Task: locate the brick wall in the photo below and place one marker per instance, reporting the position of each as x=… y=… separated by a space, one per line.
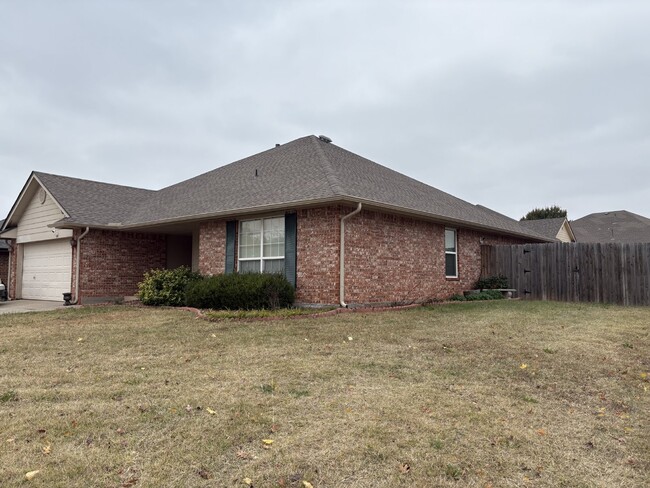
x=212 y=247
x=113 y=263
x=4 y=266
x=388 y=258
x=13 y=258
x=317 y=252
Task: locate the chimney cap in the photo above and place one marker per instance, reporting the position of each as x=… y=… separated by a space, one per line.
x=325 y=139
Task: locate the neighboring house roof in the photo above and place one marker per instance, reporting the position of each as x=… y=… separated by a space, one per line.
x=307 y=171
x=551 y=228
x=616 y=226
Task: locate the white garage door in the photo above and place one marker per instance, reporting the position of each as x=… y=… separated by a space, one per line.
x=47 y=269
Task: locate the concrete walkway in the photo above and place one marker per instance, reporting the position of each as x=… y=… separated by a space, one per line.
x=21 y=306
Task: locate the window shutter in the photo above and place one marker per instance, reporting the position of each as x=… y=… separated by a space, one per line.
x=290 y=239
x=231 y=228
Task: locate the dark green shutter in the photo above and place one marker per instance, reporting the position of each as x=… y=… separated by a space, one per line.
x=231 y=228
x=290 y=239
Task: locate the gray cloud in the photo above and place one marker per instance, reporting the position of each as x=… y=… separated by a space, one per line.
x=508 y=104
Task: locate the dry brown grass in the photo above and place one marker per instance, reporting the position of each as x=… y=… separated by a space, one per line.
x=423 y=397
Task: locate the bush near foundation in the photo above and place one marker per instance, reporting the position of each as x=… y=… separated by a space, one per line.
x=492 y=283
x=248 y=291
x=166 y=286
x=484 y=295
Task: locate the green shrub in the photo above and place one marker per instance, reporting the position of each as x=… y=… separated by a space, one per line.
x=166 y=286
x=457 y=298
x=249 y=291
x=492 y=283
x=485 y=295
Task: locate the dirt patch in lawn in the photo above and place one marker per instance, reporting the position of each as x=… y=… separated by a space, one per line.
x=481 y=394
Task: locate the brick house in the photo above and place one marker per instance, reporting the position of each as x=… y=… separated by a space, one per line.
x=343 y=229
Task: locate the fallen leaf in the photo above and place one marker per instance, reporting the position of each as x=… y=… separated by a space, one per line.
x=248 y=481
x=540 y=432
x=268 y=442
x=80 y=339
x=404 y=468
x=47 y=449
x=210 y=411
x=349 y=339
x=30 y=475
x=241 y=454
x=307 y=484
x=523 y=366
x=130 y=482
x=214 y=335
x=205 y=474
x=188 y=408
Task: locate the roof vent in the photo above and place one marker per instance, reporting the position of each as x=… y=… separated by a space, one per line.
x=325 y=139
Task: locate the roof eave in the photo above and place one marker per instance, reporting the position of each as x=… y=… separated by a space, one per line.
x=230 y=213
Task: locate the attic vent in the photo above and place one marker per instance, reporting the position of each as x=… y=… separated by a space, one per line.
x=325 y=139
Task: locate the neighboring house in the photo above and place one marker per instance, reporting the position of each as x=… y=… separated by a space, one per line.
x=280 y=210
x=617 y=226
x=557 y=229
x=4 y=259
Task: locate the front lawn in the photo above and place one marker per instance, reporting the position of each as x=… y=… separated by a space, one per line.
x=506 y=393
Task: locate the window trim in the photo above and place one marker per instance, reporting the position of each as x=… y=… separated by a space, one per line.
x=454 y=252
x=261 y=258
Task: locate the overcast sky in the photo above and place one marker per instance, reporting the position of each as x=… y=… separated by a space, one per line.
x=512 y=105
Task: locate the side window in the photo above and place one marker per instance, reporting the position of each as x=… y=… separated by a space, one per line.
x=261 y=246
x=451 y=254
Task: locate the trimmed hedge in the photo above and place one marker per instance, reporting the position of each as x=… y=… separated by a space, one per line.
x=248 y=291
x=166 y=286
x=492 y=283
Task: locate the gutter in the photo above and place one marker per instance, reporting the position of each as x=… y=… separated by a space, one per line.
x=342 y=256
x=76 y=282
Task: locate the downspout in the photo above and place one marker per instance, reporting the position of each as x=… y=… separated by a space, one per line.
x=342 y=256
x=76 y=278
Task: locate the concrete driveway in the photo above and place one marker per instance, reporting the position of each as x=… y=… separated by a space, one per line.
x=21 y=306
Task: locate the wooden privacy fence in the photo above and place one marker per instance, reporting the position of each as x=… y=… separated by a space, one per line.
x=577 y=272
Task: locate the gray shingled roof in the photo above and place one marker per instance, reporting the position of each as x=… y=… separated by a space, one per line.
x=91 y=202
x=616 y=226
x=546 y=227
x=305 y=171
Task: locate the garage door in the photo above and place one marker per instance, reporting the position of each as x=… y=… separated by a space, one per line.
x=47 y=269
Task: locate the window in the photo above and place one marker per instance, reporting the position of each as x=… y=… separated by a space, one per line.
x=451 y=254
x=261 y=246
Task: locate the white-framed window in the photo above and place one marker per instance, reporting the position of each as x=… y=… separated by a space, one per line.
x=261 y=245
x=451 y=254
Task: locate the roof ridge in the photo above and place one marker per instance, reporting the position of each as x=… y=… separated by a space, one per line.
x=332 y=179
x=37 y=173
